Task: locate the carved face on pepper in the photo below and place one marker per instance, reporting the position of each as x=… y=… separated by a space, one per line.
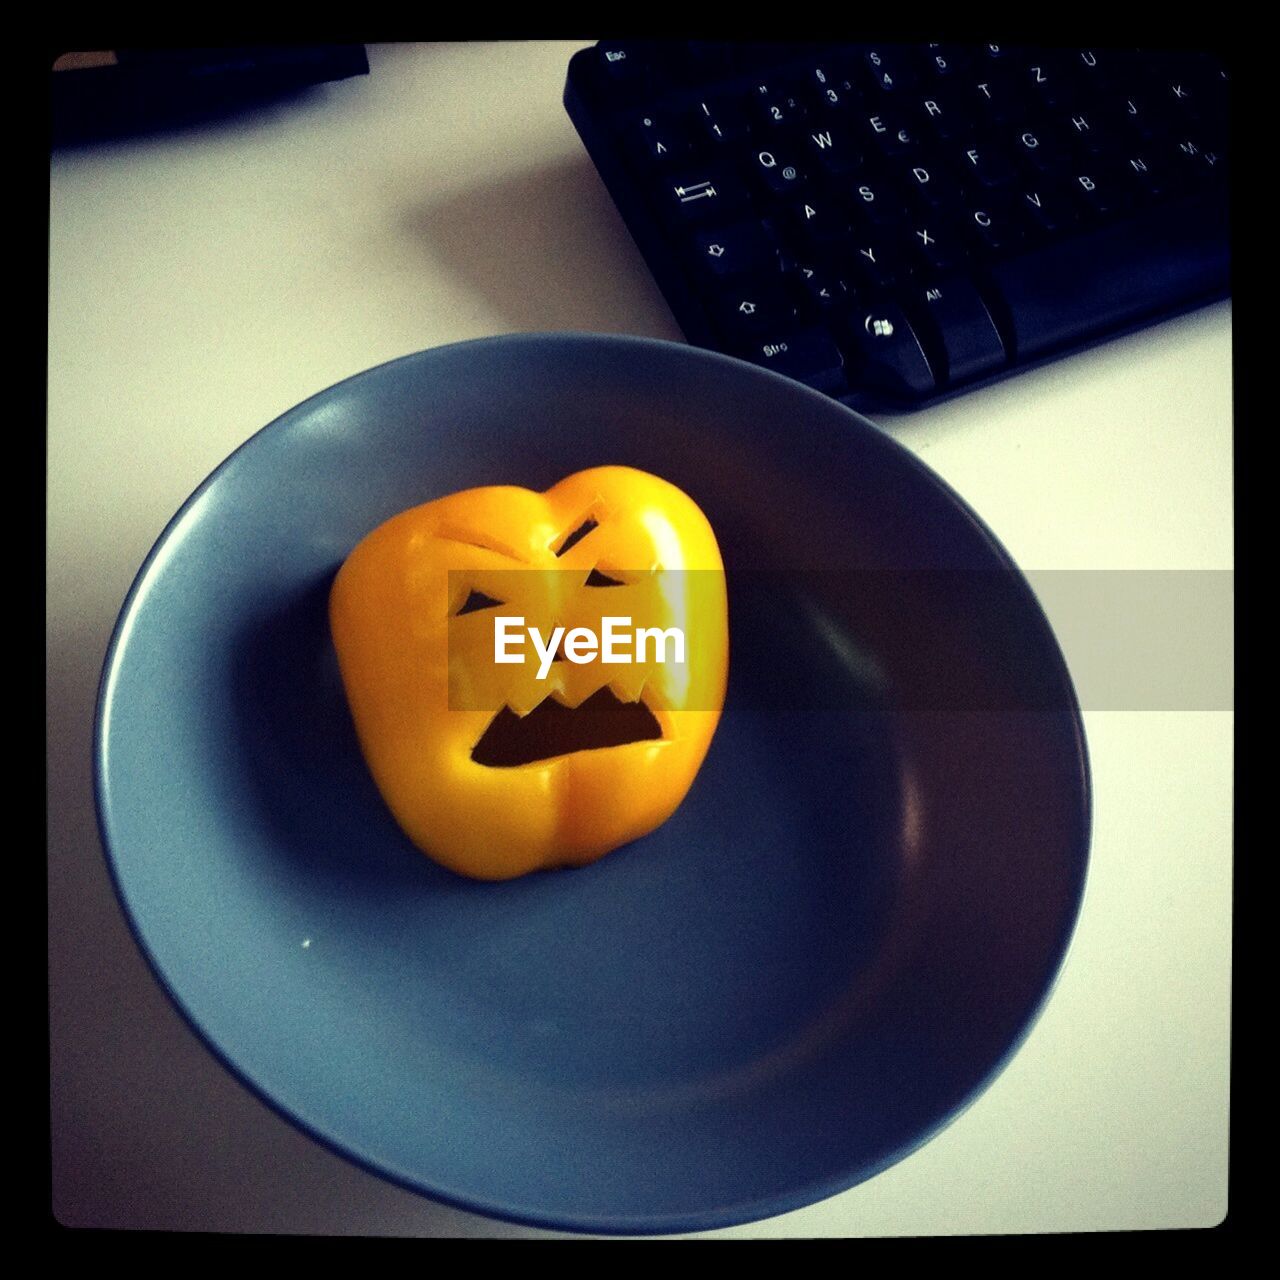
x=535 y=678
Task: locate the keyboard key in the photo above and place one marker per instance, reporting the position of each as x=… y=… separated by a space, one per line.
x=943 y=63
x=621 y=69
x=699 y=196
x=1145 y=175
x=1097 y=189
x=824 y=291
x=1039 y=150
x=1090 y=66
x=1179 y=95
x=818 y=220
x=1191 y=156
x=985 y=163
x=776 y=110
x=1041 y=206
x=831 y=149
x=886 y=353
x=717 y=122
x=992 y=96
x=1215 y=91
x=888 y=69
x=887 y=133
x=1078 y=126
x=874 y=201
x=1041 y=78
x=655 y=141
x=990 y=225
x=809 y=355
x=932 y=243
x=735 y=250
x=872 y=123
x=752 y=308
x=956 y=322
x=940 y=115
x=872 y=259
x=1215 y=161
x=924 y=183
x=827 y=91
x=1133 y=111
x=1072 y=288
x=775 y=171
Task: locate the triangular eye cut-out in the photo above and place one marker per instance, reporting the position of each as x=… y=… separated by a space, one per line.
x=597 y=579
x=477 y=600
x=577 y=535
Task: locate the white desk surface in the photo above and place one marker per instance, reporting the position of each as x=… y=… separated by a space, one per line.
x=202 y=283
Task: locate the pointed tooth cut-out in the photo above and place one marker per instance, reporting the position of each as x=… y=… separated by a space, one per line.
x=524 y=701
x=629 y=684
x=573 y=693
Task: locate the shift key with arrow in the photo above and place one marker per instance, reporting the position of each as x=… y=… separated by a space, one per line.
x=752 y=308
x=725 y=252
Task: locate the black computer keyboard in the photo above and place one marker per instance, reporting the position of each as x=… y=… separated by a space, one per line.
x=900 y=222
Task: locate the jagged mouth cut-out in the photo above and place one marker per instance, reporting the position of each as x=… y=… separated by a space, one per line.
x=551 y=729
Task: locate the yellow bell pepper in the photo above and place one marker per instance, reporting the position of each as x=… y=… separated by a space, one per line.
x=535 y=678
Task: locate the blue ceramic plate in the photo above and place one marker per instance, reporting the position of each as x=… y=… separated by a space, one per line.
x=820 y=960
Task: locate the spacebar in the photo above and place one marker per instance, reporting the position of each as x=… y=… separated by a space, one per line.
x=1072 y=290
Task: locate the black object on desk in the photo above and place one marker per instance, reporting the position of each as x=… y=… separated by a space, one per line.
x=899 y=222
x=125 y=91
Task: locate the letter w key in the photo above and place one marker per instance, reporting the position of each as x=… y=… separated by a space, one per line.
x=831 y=150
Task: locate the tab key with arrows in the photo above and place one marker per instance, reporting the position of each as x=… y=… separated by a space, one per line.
x=699 y=198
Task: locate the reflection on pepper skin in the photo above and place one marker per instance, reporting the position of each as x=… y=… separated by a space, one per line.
x=490 y=770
